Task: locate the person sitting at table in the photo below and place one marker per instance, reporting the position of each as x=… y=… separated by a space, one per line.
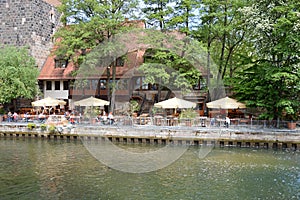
x=15 y=117
x=9 y=116
x=212 y=121
x=103 y=118
x=110 y=118
x=227 y=122
x=26 y=116
x=72 y=119
x=41 y=117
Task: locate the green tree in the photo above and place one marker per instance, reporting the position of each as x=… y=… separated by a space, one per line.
x=18 y=74
x=272 y=78
x=223 y=33
x=164 y=66
x=158 y=13
x=90 y=22
x=172 y=62
x=185 y=16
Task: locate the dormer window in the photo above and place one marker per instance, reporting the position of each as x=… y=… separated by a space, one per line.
x=61 y=63
x=120 y=62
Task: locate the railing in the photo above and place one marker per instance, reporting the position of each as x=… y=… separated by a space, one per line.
x=203 y=122
x=200 y=122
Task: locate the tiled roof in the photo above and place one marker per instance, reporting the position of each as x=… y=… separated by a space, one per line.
x=135 y=59
x=49 y=72
x=55 y=3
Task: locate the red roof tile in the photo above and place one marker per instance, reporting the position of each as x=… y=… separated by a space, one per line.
x=49 y=72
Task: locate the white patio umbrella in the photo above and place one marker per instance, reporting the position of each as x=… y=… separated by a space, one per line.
x=175 y=103
x=225 y=103
x=48 y=102
x=91 y=101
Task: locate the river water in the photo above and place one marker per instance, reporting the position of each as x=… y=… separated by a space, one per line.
x=59 y=169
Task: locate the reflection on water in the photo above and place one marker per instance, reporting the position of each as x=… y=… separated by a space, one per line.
x=134 y=160
x=48 y=169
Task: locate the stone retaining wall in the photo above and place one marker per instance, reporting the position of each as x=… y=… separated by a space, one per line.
x=164 y=136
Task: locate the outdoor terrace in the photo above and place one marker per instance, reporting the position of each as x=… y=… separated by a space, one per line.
x=158 y=121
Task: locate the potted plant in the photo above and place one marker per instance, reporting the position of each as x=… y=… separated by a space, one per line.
x=291 y=116
x=52 y=129
x=134 y=107
x=31 y=126
x=43 y=127
x=291 y=124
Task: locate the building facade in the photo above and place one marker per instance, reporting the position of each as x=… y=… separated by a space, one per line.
x=29 y=23
x=33 y=23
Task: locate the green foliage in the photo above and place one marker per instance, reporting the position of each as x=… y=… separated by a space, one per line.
x=271 y=79
x=255 y=45
x=184 y=16
x=188 y=114
x=91 y=23
x=157 y=12
x=43 y=127
x=167 y=68
x=134 y=106
x=52 y=129
x=31 y=126
x=18 y=74
x=223 y=32
x=156 y=110
x=91 y=112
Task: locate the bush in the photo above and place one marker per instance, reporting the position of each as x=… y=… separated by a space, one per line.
x=52 y=129
x=134 y=106
x=31 y=126
x=43 y=127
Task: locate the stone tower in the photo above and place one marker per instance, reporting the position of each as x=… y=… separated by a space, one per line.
x=29 y=23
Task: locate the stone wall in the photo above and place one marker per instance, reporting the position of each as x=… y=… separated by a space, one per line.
x=29 y=23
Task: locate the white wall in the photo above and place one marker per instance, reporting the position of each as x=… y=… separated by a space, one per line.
x=58 y=94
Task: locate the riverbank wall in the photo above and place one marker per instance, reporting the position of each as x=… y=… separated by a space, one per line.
x=221 y=136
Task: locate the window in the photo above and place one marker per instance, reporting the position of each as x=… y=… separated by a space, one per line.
x=87 y=84
x=94 y=84
x=61 y=63
x=140 y=84
x=122 y=84
x=66 y=85
x=144 y=84
x=200 y=85
x=48 y=85
x=57 y=85
x=120 y=62
x=102 y=84
x=200 y=106
x=137 y=84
